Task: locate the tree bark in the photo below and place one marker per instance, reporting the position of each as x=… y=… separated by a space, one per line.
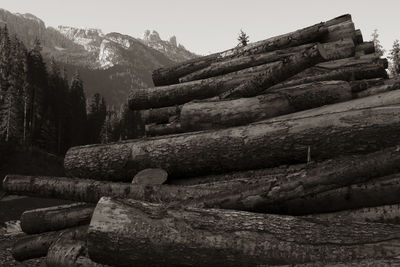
x=380 y=214
x=270 y=143
x=340 y=31
x=163 y=129
x=242 y=111
x=376 y=192
x=171 y=75
x=362 y=85
x=69 y=253
x=56 y=218
x=154 y=235
x=36 y=246
x=276 y=74
x=392 y=84
x=160 y=115
x=335 y=50
x=267 y=74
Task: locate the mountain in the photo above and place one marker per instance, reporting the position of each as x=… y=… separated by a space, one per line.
x=110 y=64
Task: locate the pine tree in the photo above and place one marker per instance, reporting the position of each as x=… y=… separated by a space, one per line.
x=77 y=107
x=243 y=38
x=394 y=56
x=97 y=112
x=378 y=47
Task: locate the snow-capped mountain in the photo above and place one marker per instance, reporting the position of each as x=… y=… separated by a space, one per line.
x=110 y=64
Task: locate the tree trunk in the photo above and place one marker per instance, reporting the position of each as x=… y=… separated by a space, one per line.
x=351 y=73
x=380 y=214
x=159 y=115
x=171 y=75
x=278 y=73
x=362 y=85
x=265 y=144
x=359 y=39
x=163 y=129
x=69 y=253
x=242 y=111
x=132 y=233
x=36 y=246
x=340 y=31
x=267 y=74
x=335 y=50
x=150 y=177
x=376 y=192
x=389 y=85
x=365 y=49
x=56 y=218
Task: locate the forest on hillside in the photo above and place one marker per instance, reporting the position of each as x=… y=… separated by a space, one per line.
x=40 y=106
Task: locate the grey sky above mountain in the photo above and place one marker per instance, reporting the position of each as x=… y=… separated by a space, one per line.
x=212 y=25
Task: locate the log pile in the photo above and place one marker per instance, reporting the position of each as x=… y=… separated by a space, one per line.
x=282 y=152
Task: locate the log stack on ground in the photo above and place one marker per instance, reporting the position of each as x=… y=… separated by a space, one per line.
x=284 y=151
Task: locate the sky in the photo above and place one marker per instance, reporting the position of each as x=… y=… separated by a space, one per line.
x=206 y=26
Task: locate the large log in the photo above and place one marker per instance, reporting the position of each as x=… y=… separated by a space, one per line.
x=154 y=235
x=270 y=73
x=171 y=75
x=56 y=218
x=222 y=114
x=276 y=74
x=69 y=253
x=36 y=246
x=365 y=49
x=254 y=190
x=379 y=214
x=376 y=192
x=265 y=144
x=335 y=50
x=159 y=115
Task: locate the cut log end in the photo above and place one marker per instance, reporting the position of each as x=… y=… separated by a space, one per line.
x=150 y=177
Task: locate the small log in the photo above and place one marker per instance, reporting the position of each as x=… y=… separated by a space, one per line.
x=359 y=39
x=365 y=49
x=222 y=114
x=380 y=214
x=36 y=246
x=150 y=177
x=159 y=115
x=340 y=31
x=163 y=129
x=335 y=50
x=56 y=218
x=69 y=253
x=155 y=235
x=361 y=85
x=171 y=75
x=388 y=86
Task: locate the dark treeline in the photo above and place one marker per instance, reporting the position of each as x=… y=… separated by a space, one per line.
x=40 y=107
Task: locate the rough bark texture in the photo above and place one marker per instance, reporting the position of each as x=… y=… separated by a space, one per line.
x=69 y=253
x=171 y=75
x=150 y=177
x=392 y=84
x=153 y=235
x=380 y=214
x=283 y=140
x=335 y=50
x=376 y=192
x=278 y=73
x=361 y=85
x=242 y=111
x=164 y=129
x=56 y=218
x=365 y=49
x=159 y=115
x=267 y=74
x=36 y=246
x=340 y=31
x=350 y=73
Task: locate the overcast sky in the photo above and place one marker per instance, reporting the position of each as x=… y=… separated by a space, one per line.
x=206 y=26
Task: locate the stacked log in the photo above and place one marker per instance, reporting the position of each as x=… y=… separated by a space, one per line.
x=242 y=142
